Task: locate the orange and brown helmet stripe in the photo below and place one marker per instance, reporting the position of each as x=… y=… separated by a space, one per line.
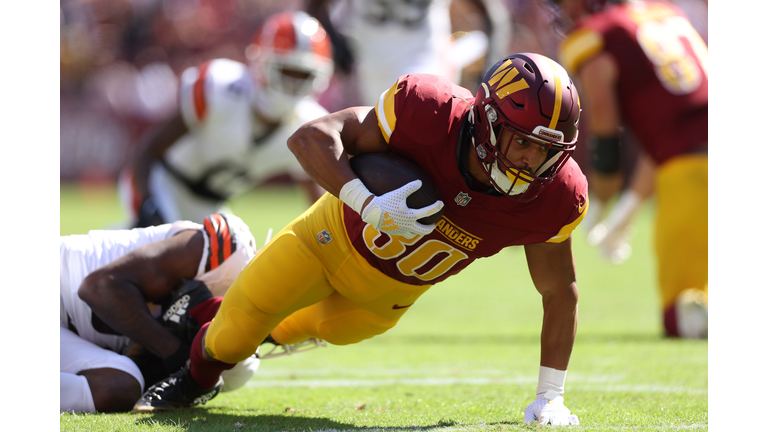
x=286 y=32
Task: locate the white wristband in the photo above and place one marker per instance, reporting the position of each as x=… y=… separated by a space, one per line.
x=354 y=193
x=551 y=382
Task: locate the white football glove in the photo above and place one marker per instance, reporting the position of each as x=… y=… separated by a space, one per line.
x=390 y=214
x=612 y=241
x=547 y=411
x=613 y=235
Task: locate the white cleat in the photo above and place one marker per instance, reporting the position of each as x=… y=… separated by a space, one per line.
x=692 y=314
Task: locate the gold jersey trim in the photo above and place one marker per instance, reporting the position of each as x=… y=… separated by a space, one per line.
x=566 y=231
x=578 y=47
x=385 y=111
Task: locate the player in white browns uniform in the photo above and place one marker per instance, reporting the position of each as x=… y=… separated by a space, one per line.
x=107 y=279
x=231 y=129
x=385 y=39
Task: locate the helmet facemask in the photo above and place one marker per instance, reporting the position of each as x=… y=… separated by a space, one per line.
x=520 y=183
x=524 y=100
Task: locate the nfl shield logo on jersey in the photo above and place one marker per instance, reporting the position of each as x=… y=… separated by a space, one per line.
x=323 y=237
x=462 y=199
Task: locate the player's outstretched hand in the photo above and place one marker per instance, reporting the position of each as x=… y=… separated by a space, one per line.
x=547 y=411
x=390 y=214
x=613 y=241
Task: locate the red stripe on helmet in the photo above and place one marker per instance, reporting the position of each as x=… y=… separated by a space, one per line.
x=199 y=91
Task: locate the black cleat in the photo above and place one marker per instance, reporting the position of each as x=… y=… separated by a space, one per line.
x=175 y=392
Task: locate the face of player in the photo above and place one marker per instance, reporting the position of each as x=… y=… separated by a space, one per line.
x=525 y=154
x=294 y=81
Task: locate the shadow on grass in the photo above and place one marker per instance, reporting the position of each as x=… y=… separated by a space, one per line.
x=200 y=419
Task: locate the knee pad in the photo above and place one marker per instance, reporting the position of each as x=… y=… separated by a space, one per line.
x=340 y=329
x=353 y=327
x=235 y=336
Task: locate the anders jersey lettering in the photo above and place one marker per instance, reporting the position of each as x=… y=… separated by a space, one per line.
x=421 y=119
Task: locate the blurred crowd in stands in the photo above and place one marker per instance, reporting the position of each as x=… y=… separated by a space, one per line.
x=121 y=59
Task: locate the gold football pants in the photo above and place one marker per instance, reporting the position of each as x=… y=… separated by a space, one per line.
x=308 y=281
x=681 y=226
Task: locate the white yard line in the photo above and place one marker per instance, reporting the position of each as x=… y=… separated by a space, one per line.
x=491 y=427
x=362 y=382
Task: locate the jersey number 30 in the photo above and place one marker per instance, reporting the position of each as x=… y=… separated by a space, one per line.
x=429 y=261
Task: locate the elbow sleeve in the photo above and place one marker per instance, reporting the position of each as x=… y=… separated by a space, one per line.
x=605 y=154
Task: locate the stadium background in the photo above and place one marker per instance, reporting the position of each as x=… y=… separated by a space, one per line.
x=121 y=59
x=120 y=62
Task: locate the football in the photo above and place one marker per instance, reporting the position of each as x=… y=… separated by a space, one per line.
x=385 y=172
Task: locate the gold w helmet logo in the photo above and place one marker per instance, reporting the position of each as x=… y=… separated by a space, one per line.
x=503 y=80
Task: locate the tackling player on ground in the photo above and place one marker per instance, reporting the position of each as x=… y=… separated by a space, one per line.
x=109 y=281
x=133 y=300
x=642 y=65
x=344 y=270
x=233 y=121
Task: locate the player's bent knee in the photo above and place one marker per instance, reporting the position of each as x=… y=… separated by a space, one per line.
x=353 y=327
x=113 y=390
x=236 y=337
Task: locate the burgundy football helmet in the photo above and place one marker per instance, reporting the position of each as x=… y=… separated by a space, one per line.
x=532 y=97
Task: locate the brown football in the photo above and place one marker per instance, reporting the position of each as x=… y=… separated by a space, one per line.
x=385 y=172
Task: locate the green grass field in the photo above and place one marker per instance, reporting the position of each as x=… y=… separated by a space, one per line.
x=464 y=358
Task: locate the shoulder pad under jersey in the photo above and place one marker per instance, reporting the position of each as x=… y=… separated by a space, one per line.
x=569 y=200
x=578 y=47
x=212 y=88
x=422 y=103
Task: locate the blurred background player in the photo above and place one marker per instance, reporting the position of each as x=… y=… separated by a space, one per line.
x=113 y=283
x=229 y=133
x=378 y=41
x=642 y=66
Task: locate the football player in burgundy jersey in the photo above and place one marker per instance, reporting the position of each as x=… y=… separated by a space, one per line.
x=346 y=269
x=643 y=66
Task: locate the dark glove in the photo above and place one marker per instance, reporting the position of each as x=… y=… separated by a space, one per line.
x=149 y=214
x=176 y=319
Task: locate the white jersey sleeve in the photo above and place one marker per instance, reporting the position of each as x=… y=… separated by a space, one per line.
x=207 y=91
x=215 y=103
